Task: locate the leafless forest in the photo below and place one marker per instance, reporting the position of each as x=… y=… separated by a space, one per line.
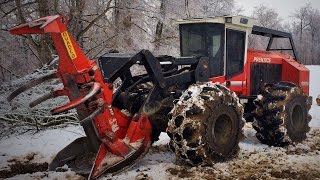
x=129 y=25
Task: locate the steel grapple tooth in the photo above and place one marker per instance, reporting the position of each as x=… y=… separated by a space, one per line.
x=45 y=97
x=95 y=89
x=30 y=85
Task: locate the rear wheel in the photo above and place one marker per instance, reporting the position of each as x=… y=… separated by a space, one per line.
x=281 y=116
x=206 y=124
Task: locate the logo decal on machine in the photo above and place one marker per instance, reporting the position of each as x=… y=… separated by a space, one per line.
x=68 y=44
x=114 y=125
x=262 y=60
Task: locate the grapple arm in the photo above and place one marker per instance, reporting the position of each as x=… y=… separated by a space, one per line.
x=117 y=139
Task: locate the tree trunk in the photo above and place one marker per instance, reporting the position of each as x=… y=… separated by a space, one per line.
x=159 y=27
x=186 y=4
x=312 y=46
x=44 y=52
x=76 y=23
x=123 y=25
x=2 y=73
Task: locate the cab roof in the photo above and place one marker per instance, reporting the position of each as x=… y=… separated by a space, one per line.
x=235 y=20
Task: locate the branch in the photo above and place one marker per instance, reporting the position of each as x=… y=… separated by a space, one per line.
x=141 y=29
x=88 y=15
x=19 y=13
x=103 y=13
x=39 y=124
x=5 y=2
x=23 y=20
x=94 y=20
x=164 y=38
x=306 y=25
x=95 y=24
x=41 y=121
x=37 y=57
x=32 y=42
x=135 y=8
x=14 y=9
x=95 y=56
x=13 y=74
x=104 y=41
x=186 y=4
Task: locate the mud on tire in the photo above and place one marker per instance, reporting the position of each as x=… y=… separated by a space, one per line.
x=281 y=116
x=206 y=124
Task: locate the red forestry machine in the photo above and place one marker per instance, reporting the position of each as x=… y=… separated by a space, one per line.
x=201 y=99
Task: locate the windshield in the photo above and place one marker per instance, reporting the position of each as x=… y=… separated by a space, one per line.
x=205 y=39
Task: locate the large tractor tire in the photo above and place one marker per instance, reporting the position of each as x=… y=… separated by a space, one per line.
x=282 y=114
x=206 y=124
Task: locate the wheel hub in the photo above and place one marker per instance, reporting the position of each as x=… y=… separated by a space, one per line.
x=297 y=117
x=222 y=129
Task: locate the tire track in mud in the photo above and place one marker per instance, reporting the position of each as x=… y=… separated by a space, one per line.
x=255 y=161
x=298 y=161
x=30 y=167
x=22 y=165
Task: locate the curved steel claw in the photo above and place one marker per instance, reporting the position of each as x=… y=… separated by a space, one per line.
x=96 y=88
x=31 y=84
x=45 y=97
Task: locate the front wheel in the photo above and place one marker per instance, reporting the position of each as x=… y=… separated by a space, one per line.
x=206 y=124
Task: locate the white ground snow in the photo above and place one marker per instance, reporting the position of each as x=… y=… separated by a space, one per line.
x=255 y=161
x=45 y=143
x=314 y=92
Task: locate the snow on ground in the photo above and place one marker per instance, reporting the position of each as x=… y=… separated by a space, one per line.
x=35 y=150
x=314 y=92
x=45 y=143
x=255 y=160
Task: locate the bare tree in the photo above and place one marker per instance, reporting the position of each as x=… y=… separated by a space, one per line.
x=314 y=30
x=265 y=17
x=302 y=15
x=34 y=51
x=306 y=30
x=99 y=25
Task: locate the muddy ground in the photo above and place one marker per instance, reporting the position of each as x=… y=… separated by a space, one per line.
x=255 y=161
x=300 y=161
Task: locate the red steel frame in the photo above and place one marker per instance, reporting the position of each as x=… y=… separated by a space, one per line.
x=292 y=71
x=115 y=130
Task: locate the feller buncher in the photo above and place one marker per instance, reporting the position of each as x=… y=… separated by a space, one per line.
x=200 y=99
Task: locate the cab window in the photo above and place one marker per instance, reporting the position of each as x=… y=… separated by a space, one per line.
x=235 y=52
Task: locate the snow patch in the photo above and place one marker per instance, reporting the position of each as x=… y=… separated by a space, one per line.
x=46 y=144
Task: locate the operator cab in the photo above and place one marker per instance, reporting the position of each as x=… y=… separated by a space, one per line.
x=222 y=39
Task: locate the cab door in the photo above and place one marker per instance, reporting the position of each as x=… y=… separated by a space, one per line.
x=235 y=52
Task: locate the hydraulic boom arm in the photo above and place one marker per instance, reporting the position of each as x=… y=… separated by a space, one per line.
x=116 y=139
